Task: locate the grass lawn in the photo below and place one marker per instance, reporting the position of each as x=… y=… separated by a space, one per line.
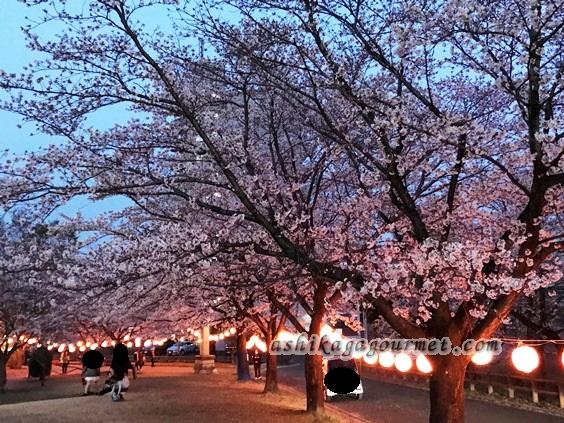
x=160 y=394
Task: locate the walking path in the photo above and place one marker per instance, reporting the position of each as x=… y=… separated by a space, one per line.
x=160 y=394
x=173 y=393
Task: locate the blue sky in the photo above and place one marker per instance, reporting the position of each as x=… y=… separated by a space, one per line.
x=15 y=55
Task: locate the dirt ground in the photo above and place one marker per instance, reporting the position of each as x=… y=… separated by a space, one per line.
x=160 y=394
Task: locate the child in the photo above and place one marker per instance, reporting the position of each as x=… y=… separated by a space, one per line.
x=91 y=363
x=89 y=377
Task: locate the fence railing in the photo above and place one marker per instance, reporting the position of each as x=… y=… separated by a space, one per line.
x=537 y=390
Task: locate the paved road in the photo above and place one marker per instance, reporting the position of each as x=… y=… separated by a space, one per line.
x=389 y=403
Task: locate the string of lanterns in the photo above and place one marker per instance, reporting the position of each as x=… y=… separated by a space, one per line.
x=83 y=346
x=524 y=357
x=223 y=335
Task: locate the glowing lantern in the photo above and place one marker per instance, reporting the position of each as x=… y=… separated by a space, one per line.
x=286 y=336
x=386 y=359
x=148 y=343
x=525 y=359
x=371 y=359
x=72 y=348
x=32 y=341
x=137 y=342
x=221 y=336
x=50 y=347
x=88 y=344
x=326 y=330
x=357 y=355
x=232 y=331
x=113 y=343
x=129 y=344
x=197 y=334
x=226 y=333
x=481 y=358
x=61 y=348
x=423 y=364
x=10 y=341
x=105 y=344
x=126 y=338
x=261 y=345
x=82 y=348
x=255 y=341
x=403 y=362
x=79 y=344
x=94 y=346
x=55 y=345
x=251 y=342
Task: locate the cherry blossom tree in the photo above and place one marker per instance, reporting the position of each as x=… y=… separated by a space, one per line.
x=272 y=193
x=239 y=288
x=32 y=260
x=406 y=150
x=450 y=115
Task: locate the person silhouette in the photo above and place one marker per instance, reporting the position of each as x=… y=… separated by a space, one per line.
x=257 y=359
x=118 y=381
x=92 y=361
x=39 y=364
x=64 y=359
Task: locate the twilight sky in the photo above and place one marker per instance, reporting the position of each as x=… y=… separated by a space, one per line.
x=14 y=56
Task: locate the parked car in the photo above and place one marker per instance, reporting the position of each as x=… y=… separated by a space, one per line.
x=333 y=363
x=161 y=349
x=182 y=348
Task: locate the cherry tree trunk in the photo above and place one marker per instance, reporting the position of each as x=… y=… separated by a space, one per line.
x=447 y=389
x=271 y=384
x=315 y=390
x=242 y=359
x=3 y=373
